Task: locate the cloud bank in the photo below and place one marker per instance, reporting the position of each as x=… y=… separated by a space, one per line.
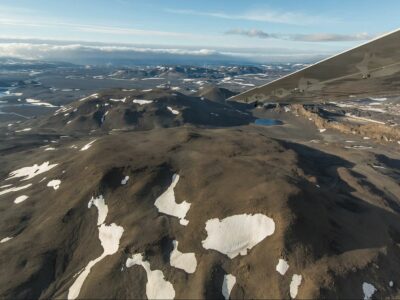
x=122 y=54
x=318 y=37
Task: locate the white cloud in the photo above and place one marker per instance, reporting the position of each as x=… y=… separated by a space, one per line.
x=99 y=53
x=37 y=51
x=317 y=37
x=250 y=33
x=15 y=16
x=26 y=50
x=332 y=37
x=261 y=15
x=90 y=28
x=10 y=9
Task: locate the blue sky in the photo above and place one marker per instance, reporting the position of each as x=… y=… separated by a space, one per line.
x=286 y=26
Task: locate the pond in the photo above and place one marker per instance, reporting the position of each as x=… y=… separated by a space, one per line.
x=268 y=122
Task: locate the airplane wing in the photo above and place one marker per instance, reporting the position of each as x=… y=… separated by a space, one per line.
x=372 y=69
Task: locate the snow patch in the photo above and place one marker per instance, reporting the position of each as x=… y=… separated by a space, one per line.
x=156 y=287
x=368 y=290
x=49 y=149
x=166 y=203
x=153 y=78
x=361 y=147
x=87 y=146
x=100 y=203
x=175 y=112
x=364 y=119
x=109 y=236
x=55 y=183
x=236 y=234
x=62 y=109
x=118 y=100
x=24 y=130
x=103 y=117
x=20 y=199
x=93 y=96
x=6 y=239
x=282 y=266
x=227 y=285
x=294 y=285
x=30 y=172
x=39 y=103
x=14 y=189
x=125 y=180
x=142 y=102
x=184 y=261
x=4 y=186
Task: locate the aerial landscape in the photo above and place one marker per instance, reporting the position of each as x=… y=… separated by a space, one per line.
x=199 y=150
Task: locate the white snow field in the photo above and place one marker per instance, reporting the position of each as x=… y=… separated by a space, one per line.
x=294 y=285
x=39 y=103
x=124 y=180
x=93 y=96
x=20 y=199
x=15 y=189
x=55 y=184
x=142 y=101
x=282 y=266
x=184 y=261
x=109 y=236
x=30 y=172
x=368 y=290
x=102 y=208
x=236 y=234
x=174 y=111
x=118 y=100
x=227 y=285
x=166 y=203
x=156 y=287
x=87 y=146
x=6 y=239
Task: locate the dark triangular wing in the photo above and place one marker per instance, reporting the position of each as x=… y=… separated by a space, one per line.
x=372 y=69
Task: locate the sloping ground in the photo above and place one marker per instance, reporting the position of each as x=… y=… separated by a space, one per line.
x=216 y=94
x=138 y=110
x=379 y=131
x=194 y=213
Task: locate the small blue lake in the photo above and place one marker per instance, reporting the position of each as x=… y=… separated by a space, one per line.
x=268 y=122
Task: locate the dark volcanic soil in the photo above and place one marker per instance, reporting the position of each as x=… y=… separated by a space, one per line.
x=141 y=110
x=335 y=209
